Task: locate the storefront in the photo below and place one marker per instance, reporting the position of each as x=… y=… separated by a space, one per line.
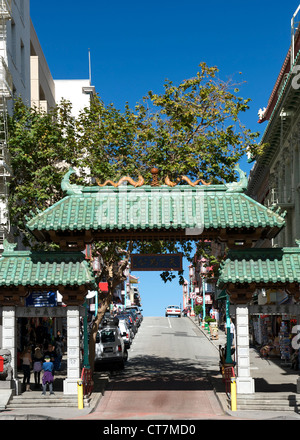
x=272 y=329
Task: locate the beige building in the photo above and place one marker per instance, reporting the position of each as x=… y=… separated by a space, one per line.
x=42 y=87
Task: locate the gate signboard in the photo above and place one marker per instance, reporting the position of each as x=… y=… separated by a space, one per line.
x=160 y=262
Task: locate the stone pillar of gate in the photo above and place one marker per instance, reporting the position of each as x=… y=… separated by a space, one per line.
x=244 y=382
x=73 y=350
x=9 y=327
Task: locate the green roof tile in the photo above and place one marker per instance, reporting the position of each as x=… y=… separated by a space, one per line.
x=155 y=208
x=29 y=268
x=270 y=265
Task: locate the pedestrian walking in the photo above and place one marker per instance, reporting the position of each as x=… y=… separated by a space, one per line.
x=26 y=367
x=58 y=351
x=37 y=366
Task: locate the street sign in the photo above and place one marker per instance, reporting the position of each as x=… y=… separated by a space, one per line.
x=208 y=299
x=160 y=262
x=41 y=299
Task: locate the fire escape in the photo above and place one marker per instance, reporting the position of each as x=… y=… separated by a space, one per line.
x=6 y=87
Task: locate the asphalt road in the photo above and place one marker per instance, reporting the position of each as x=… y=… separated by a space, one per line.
x=166 y=376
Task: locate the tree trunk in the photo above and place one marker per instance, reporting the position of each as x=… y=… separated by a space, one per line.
x=103 y=306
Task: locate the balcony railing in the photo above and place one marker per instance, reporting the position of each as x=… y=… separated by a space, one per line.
x=281 y=197
x=6 y=82
x=5 y=9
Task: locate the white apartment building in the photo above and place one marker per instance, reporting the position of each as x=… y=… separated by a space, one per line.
x=24 y=73
x=14 y=82
x=15 y=15
x=77 y=91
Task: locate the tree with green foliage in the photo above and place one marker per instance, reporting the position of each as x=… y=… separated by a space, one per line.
x=192 y=129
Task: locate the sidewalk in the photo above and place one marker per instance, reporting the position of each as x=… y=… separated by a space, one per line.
x=270 y=376
x=48 y=412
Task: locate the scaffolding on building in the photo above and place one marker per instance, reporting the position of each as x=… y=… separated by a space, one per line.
x=6 y=93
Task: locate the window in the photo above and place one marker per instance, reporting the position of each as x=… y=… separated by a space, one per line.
x=107 y=336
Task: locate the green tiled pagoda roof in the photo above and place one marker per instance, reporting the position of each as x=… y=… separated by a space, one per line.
x=154 y=208
x=272 y=265
x=29 y=268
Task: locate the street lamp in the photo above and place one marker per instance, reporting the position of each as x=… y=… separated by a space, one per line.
x=97 y=265
x=191 y=273
x=127 y=285
x=185 y=291
x=203 y=271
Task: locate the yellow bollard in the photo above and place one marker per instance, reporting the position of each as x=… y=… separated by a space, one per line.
x=233 y=394
x=80 y=394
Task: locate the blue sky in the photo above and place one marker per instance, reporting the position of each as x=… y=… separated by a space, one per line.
x=136 y=45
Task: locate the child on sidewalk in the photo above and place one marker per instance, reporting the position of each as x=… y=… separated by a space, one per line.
x=48 y=375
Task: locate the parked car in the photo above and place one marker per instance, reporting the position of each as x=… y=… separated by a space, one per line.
x=130 y=323
x=132 y=320
x=110 y=347
x=134 y=316
x=125 y=332
x=138 y=312
x=173 y=311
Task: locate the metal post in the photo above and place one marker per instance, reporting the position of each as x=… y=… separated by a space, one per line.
x=233 y=394
x=80 y=394
x=228 y=351
x=85 y=338
x=203 y=303
x=192 y=299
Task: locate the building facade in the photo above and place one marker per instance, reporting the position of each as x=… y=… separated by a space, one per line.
x=275 y=177
x=42 y=87
x=14 y=82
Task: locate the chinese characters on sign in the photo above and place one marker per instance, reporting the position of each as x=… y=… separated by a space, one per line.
x=160 y=262
x=41 y=299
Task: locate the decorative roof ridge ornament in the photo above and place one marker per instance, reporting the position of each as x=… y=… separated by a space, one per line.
x=68 y=187
x=239 y=186
x=170 y=183
x=8 y=247
x=136 y=184
x=196 y=182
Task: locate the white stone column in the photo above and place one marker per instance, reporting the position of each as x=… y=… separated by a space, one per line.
x=244 y=382
x=73 y=350
x=9 y=329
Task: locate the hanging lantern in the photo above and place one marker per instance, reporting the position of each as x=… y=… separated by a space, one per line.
x=96 y=264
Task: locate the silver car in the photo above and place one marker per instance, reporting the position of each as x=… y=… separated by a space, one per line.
x=110 y=347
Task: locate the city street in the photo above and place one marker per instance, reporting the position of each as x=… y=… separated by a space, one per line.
x=166 y=376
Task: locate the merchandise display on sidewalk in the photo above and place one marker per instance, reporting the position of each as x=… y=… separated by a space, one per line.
x=273 y=333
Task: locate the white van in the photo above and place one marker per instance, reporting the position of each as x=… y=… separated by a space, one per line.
x=110 y=347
